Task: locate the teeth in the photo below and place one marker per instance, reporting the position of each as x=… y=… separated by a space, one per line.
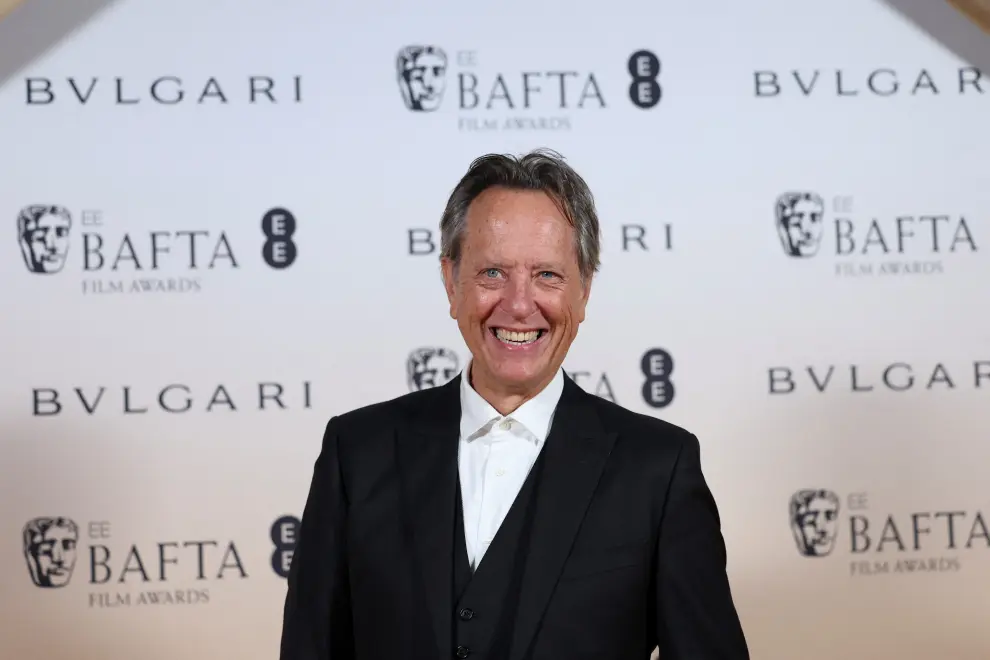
x=517 y=337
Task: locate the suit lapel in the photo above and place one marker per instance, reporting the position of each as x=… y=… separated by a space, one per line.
x=427 y=457
x=577 y=449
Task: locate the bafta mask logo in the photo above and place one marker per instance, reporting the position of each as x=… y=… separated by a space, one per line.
x=50 y=551
x=800 y=216
x=431 y=367
x=814 y=521
x=422 y=76
x=43 y=234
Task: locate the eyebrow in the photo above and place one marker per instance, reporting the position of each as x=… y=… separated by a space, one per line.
x=543 y=265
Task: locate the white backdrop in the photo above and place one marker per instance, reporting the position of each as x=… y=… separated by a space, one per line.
x=164 y=388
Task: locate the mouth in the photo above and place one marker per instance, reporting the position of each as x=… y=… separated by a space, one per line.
x=517 y=337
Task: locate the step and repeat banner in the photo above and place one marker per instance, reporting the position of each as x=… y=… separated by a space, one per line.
x=221 y=230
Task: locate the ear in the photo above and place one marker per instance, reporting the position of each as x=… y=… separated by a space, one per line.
x=583 y=302
x=447 y=272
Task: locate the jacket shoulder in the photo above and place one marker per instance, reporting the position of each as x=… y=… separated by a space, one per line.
x=383 y=415
x=634 y=425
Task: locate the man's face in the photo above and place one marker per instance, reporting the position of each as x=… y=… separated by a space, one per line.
x=803 y=226
x=47 y=242
x=53 y=556
x=517 y=293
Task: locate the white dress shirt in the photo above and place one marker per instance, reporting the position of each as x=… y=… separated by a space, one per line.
x=495 y=455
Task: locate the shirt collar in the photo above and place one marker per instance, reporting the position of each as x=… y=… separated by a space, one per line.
x=535 y=415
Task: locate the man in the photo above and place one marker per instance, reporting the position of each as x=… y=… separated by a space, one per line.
x=508 y=514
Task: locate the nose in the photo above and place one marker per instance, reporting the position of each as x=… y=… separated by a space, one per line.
x=519 y=300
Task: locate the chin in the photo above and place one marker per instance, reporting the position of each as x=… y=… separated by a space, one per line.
x=519 y=372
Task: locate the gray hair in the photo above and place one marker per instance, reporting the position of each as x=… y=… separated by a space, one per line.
x=543 y=170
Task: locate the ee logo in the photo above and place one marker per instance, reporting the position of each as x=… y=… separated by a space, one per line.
x=644 y=91
x=658 y=390
x=285 y=535
x=279 y=250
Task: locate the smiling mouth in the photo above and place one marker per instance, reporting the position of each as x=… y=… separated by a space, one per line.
x=516 y=338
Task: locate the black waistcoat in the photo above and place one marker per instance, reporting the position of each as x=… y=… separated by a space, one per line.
x=486 y=602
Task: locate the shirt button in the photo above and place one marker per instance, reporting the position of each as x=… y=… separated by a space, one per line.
x=462 y=652
x=499 y=472
x=505 y=424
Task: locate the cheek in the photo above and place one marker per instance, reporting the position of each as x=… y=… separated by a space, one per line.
x=576 y=308
x=479 y=302
x=556 y=307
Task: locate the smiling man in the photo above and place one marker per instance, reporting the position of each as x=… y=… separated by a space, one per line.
x=508 y=514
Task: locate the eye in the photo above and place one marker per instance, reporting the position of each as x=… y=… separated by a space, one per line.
x=491 y=272
x=546 y=274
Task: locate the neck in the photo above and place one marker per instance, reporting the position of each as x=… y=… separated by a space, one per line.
x=506 y=400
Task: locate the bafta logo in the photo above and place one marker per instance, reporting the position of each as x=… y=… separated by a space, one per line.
x=422 y=73
x=43 y=234
x=50 y=551
x=431 y=367
x=799 y=223
x=814 y=521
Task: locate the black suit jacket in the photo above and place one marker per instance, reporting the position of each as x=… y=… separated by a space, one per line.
x=626 y=550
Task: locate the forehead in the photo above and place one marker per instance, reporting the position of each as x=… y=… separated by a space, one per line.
x=501 y=220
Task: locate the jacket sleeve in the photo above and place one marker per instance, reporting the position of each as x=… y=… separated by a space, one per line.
x=696 y=617
x=316 y=621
